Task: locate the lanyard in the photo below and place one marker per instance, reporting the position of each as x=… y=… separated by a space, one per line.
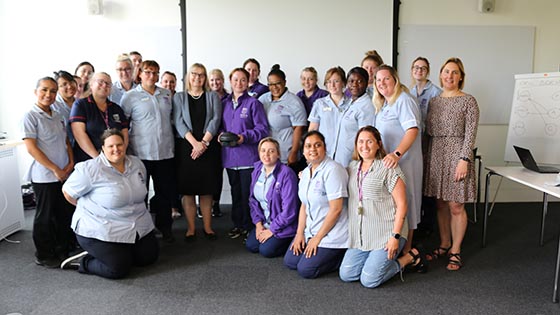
x=360 y=187
x=105 y=116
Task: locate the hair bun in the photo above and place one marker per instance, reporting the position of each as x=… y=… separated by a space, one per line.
x=275 y=67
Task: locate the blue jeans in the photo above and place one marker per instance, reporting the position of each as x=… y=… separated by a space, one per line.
x=372 y=268
x=273 y=247
x=325 y=260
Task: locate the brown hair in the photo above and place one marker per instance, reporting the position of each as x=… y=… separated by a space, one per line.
x=373 y=56
x=380 y=152
x=335 y=70
x=412 y=68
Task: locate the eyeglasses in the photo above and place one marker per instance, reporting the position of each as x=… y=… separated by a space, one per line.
x=124 y=69
x=197 y=75
x=279 y=83
x=422 y=68
x=148 y=72
x=101 y=82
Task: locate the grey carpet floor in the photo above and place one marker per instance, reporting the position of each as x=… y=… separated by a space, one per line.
x=512 y=275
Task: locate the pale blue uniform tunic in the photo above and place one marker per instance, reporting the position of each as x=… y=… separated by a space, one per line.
x=111 y=204
x=151 y=133
x=329 y=182
x=284 y=114
x=340 y=124
x=392 y=121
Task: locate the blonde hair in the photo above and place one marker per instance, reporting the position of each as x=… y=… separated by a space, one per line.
x=459 y=64
x=271 y=140
x=378 y=99
x=188 y=82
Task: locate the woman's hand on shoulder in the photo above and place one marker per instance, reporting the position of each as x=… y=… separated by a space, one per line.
x=391 y=160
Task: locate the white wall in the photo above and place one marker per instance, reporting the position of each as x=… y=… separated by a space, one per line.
x=543 y=14
x=37 y=37
x=292 y=33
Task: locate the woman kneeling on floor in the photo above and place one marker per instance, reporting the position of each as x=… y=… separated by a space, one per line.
x=377 y=216
x=273 y=202
x=111 y=222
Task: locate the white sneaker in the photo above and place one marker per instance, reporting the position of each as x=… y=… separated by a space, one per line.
x=73 y=262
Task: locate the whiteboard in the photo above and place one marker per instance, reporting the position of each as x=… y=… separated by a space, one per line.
x=293 y=33
x=535 y=117
x=492 y=55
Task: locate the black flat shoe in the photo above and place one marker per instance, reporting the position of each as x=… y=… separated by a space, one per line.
x=190 y=238
x=210 y=236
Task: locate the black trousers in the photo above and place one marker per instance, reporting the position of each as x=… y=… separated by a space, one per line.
x=115 y=260
x=162 y=173
x=52 y=234
x=240 y=182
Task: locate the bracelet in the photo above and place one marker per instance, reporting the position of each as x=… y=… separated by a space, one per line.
x=206 y=143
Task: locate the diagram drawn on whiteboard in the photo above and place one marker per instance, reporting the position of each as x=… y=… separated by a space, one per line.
x=536 y=103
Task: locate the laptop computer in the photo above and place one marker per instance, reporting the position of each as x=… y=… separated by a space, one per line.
x=529 y=162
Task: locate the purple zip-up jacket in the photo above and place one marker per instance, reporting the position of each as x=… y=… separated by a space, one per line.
x=257 y=89
x=282 y=200
x=248 y=120
x=308 y=102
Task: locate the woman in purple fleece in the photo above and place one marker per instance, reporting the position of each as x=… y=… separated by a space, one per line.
x=273 y=202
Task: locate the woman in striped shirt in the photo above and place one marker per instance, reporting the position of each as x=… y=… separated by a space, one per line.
x=377 y=221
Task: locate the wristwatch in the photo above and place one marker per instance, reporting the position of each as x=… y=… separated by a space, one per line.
x=206 y=143
x=396 y=235
x=465 y=159
x=397 y=153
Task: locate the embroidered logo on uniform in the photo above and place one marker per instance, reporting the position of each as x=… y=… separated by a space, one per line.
x=327 y=109
x=140 y=176
x=244 y=113
x=116 y=118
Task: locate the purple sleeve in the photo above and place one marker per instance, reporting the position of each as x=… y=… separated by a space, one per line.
x=260 y=124
x=289 y=194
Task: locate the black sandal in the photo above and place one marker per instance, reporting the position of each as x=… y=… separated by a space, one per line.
x=438 y=252
x=419 y=262
x=455 y=260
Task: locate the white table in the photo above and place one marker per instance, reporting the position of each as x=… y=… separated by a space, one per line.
x=530 y=179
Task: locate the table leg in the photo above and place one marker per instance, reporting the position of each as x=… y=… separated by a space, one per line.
x=544 y=211
x=556 y=272
x=486 y=206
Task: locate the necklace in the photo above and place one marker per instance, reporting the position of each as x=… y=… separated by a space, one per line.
x=196 y=97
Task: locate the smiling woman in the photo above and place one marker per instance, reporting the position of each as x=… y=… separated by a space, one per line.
x=92 y=115
x=111 y=186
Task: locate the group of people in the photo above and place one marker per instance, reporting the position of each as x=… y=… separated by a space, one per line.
x=330 y=179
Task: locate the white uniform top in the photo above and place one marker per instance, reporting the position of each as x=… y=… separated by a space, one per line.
x=151 y=134
x=284 y=114
x=111 y=204
x=329 y=182
x=340 y=124
x=50 y=135
x=392 y=122
x=423 y=99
